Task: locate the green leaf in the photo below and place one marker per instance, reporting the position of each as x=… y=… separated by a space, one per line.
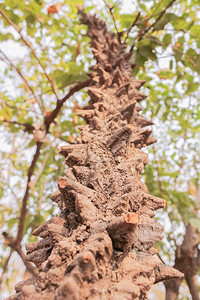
x=165 y=74
x=11 y=222
x=195 y=29
x=31 y=144
x=192 y=87
x=146 y=51
x=126 y=20
x=138 y=59
x=179 y=22
x=163 y=21
x=192 y=59
x=155 y=41
x=74 y=74
x=166 y=40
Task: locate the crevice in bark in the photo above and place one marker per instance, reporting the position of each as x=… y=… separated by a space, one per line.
x=101 y=244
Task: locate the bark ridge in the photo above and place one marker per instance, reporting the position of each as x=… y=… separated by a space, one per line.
x=101 y=244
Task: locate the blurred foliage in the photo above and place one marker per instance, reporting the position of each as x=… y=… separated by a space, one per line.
x=166 y=51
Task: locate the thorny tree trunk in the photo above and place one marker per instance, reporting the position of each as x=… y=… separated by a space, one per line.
x=187 y=261
x=101 y=244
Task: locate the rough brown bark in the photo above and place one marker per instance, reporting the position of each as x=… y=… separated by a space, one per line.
x=101 y=244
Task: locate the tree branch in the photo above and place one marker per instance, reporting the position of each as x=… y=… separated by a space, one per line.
x=17 y=247
x=152 y=25
x=25 y=198
x=191 y=282
x=28 y=265
x=28 y=87
x=113 y=17
x=158 y=254
x=28 y=127
x=80 y=85
x=133 y=24
x=5 y=266
x=180 y=51
x=47 y=122
x=40 y=170
x=32 y=50
x=157 y=20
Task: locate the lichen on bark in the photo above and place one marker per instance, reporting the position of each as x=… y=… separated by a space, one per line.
x=100 y=246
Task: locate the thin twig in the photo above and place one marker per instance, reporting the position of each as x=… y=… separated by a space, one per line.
x=39 y=172
x=158 y=254
x=25 y=198
x=5 y=266
x=28 y=87
x=152 y=25
x=157 y=20
x=80 y=85
x=147 y=18
x=28 y=265
x=180 y=51
x=114 y=21
x=116 y=3
x=32 y=50
x=28 y=127
x=17 y=247
x=5 y=104
x=133 y=24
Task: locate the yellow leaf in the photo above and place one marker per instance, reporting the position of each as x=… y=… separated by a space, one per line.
x=71 y=139
x=53 y=9
x=75 y=120
x=177 y=44
x=192 y=189
x=160 y=32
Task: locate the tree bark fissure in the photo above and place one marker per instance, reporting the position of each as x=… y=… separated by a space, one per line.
x=101 y=244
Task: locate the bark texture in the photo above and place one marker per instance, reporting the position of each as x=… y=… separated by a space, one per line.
x=101 y=244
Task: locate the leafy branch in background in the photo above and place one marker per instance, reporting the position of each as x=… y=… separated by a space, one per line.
x=32 y=50
x=55 y=68
x=48 y=120
x=39 y=137
x=28 y=87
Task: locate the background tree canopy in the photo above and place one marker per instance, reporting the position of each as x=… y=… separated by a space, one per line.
x=45 y=66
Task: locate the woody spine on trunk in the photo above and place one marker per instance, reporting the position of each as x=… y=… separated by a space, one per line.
x=101 y=244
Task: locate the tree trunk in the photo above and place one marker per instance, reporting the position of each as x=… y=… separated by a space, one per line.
x=172 y=289
x=187 y=261
x=101 y=244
